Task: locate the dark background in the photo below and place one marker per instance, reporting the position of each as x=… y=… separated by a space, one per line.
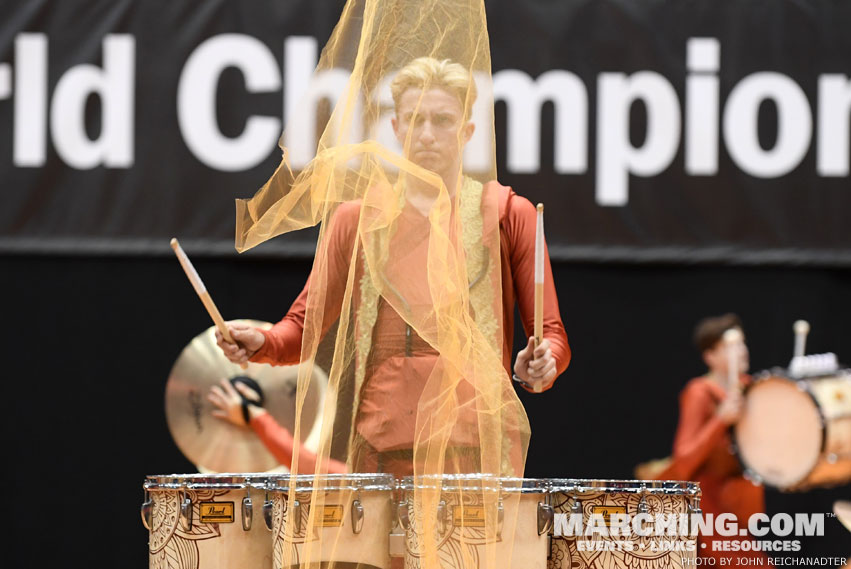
x=88 y=340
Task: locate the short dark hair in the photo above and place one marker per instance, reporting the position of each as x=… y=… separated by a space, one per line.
x=709 y=331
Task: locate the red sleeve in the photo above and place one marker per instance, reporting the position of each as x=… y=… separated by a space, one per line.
x=520 y=221
x=280 y=443
x=284 y=339
x=698 y=431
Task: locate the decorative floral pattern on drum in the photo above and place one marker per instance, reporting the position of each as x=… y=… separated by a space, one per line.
x=648 y=552
x=282 y=540
x=458 y=546
x=285 y=536
x=171 y=546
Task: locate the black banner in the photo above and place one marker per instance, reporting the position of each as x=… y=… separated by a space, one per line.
x=705 y=131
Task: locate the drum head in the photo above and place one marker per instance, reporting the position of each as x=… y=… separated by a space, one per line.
x=781 y=433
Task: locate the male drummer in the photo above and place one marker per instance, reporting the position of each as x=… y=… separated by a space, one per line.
x=432 y=101
x=709 y=405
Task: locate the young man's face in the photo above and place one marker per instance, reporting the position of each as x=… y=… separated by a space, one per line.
x=717 y=358
x=430 y=127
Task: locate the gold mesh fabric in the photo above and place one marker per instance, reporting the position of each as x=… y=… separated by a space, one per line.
x=405 y=303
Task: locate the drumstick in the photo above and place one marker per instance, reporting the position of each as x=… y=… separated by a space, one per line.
x=732 y=338
x=842 y=509
x=201 y=290
x=802 y=328
x=539 y=282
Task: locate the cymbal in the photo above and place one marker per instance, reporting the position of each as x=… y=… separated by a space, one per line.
x=215 y=445
x=842 y=509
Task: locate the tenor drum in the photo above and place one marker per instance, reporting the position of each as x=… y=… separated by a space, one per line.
x=339 y=520
x=795 y=435
x=206 y=520
x=479 y=521
x=612 y=506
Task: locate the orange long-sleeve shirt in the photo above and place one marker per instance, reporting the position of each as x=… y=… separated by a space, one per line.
x=703 y=452
x=281 y=444
x=392 y=372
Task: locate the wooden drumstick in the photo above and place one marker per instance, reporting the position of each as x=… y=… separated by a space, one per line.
x=842 y=509
x=732 y=338
x=539 y=282
x=802 y=328
x=201 y=290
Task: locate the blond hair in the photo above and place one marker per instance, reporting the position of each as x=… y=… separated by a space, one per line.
x=430 y=73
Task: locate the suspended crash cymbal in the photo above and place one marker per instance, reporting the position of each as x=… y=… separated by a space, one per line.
x=215 y=445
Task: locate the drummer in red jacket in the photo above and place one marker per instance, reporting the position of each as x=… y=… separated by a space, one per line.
x=433 y=101
x=703 y=451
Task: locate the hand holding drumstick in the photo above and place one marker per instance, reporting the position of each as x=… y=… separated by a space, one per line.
x=535 y=365
x=243 y=343
x=238 y=341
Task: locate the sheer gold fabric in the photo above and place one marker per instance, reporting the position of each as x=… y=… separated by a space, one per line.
x=404 y=306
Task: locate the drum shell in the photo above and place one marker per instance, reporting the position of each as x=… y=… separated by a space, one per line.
x=333 y=537
x=206 y=544
x=796 y=434
x=834 y=398
x=668 y=497
x=518 y=545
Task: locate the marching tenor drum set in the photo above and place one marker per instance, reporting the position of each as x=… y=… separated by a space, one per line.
x=275 y=521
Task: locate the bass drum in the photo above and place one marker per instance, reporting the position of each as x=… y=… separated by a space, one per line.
x=796 y=435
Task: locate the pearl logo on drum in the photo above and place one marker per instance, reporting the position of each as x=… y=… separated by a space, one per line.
x=216 y=512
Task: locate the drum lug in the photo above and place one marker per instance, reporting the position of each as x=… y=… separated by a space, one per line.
x=295 y=517
x=643 y=508
x=247 y=513
x=267 y=513
x=442 y=515
x=546 y=515
x=397 y=543
x=545 y=518
x=500 y=518
x=402 y=515
x=693 y=510
x=576 y=507
x=186 y=513
x=146 y=511
x=357 y=516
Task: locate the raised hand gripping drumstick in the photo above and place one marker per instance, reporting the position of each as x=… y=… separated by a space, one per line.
x=201 y=290
x=539 y=282
x=802 y=328
x=732 y=338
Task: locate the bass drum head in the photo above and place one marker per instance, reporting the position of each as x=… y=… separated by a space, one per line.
x=781 y=432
